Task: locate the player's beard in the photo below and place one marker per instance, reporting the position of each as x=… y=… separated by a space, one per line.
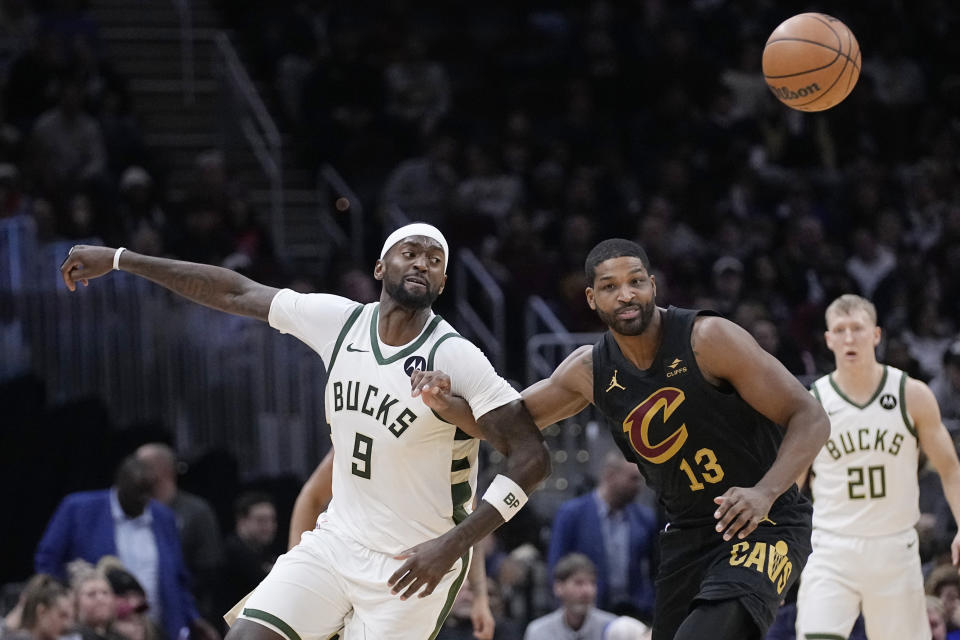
x=407 y=299
x=632 y=326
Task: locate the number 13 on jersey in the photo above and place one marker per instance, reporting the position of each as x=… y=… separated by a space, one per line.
x=707 y=469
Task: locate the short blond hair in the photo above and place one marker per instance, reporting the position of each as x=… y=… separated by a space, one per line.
x=847 y=304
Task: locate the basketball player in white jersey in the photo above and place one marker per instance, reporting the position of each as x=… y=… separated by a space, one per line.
x=404 y=479
x=865 y=492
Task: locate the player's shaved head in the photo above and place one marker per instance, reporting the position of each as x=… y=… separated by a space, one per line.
x=158 y=457
x=609 y=249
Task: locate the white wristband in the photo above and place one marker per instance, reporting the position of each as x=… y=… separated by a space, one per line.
x=116 y=258
x=506 y=496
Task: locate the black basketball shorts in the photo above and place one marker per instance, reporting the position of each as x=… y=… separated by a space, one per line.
x=698 y=565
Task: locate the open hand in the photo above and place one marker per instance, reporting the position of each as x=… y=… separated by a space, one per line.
x=425 y=566
x=741 y=510
x=433 y=387
x=84 y=263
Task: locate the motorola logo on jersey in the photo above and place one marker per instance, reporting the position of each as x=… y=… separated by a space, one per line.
x=888 y=401
x=636 y=425
x=414 y=363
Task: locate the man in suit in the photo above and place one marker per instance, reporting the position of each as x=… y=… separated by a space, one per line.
x=617 y=533
x=124 y=521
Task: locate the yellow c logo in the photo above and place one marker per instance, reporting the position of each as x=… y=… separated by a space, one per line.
x=667 y=399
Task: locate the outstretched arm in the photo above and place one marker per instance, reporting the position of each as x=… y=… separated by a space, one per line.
x=567 y=391
x=313 y=498
x=726 y=353
x=936 y=443
x=214 y=287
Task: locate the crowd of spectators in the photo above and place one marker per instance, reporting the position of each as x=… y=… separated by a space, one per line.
x=142 y=560
x=73 y=158
x=528 y=131
x=531 y=130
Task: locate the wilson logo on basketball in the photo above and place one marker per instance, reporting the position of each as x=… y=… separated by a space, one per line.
x=786 y=93
x=637 y=425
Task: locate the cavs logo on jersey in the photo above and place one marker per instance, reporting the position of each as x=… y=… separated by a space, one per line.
x=764 y=557
x=637 y=425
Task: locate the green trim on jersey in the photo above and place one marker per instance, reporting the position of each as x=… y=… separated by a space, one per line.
x=343 y=334
x=883 y=381
x=460 y=434
x=903 y=406
x=269 y=618
x=823 y=636
x=816 y=392
x=375 y=339
x=433 y=349
x=451 y=595
x=460 y=493
x=430 y=360
x=460 y=464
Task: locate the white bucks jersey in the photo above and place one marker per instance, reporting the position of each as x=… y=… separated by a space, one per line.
x=865 y=477
x=401 y=474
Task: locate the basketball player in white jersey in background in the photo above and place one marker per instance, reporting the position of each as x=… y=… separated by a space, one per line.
x=865 y=491
x=403 y=479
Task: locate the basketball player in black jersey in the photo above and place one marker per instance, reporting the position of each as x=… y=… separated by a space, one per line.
x=719 y=429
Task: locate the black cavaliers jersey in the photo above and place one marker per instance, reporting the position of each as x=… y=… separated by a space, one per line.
x=691 y=440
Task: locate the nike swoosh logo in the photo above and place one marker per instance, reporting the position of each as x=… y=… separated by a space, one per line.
x=352 y=350
x=910 y=544
x=835 y=411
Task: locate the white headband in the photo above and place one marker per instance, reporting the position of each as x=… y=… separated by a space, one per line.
x=417 y=229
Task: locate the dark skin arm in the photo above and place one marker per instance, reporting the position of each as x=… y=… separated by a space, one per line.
x=313 y=498
x=513 y=433
x=727 y=354
x=213 y=287
x=567 y=391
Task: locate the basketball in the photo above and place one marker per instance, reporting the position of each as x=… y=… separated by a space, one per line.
x=811 y=62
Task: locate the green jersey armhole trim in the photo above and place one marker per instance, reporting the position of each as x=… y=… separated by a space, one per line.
x=883 y=381
x=375 y=339
x=343 y=335
x=816 y=392
x=903 y=406
x=430 y=360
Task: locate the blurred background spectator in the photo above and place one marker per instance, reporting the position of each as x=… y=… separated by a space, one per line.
x=528 y=132
x=250 y=550
x=575 y=586
x=617 y=532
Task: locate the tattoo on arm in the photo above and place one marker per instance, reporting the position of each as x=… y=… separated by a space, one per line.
x=211 y=286
x=192 y=285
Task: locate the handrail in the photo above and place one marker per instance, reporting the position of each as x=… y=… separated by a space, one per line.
x=539 y=310
x=491 y=334
x=258 y=128
x=353 y=206
x=547 y=350
x=185 y=11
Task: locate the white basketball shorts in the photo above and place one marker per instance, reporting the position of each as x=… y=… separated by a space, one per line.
x=881 y=575
x=329 y=586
